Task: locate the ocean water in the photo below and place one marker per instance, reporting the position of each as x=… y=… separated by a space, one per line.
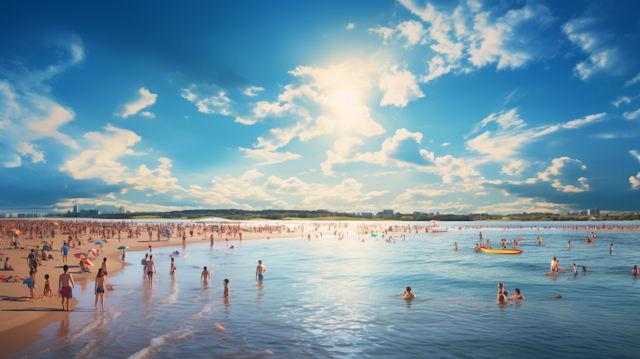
x=326 y=298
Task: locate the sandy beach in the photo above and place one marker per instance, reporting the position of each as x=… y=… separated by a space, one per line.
x=22 y=318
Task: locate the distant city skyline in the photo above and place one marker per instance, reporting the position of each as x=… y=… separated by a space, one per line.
x=437 y=106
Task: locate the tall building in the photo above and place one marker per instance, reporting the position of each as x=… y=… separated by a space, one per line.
x=387 y=212
x=593 y=210
x=75 y=209
x=122 y=210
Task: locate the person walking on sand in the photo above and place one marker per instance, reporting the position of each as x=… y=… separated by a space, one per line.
x=104 y=267
x=260 y=271
x=172 y=271
x=151 y=269
x=65 y=251
x=65 y=285
x=101 y=284
x=205 y=276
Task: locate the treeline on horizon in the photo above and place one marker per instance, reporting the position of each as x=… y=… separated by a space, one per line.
x=275 y=214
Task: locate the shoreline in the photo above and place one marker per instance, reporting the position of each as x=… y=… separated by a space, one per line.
x=22 y=321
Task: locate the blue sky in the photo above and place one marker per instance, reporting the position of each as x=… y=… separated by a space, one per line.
x=454 y=107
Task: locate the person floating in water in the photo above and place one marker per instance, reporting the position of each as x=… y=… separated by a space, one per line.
x=477 y=248
x=407 y=293
x=556 y=297
x=456 y=246
x=575 y=269
x=504 y=243
x=516 y=296
x=584 y=269
x=502 y=297
x=554 y=265
x=539 y=240
x=635 y=271
x=260 y=271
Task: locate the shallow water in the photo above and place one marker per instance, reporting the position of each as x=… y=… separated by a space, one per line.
x=330 y=298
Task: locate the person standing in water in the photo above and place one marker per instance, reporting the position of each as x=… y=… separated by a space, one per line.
x=611 y=249
x=151 y=269
x=260 y=271
x=172 y=271
x=205 y=275
x=569 y=245
x=226 y=288
x=65 y=284
x=635 y=271
x=101 y=284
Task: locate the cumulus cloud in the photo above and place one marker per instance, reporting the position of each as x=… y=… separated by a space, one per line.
x=467 y=39
x=268 y=157
x=554 y=172
x=621 y=100
x=350 y=26
x=146 y=99
x=399 y=87
x=219 y=104
x=603 y=57
x=251 y=91
x=384 y=32
x=17 y=162
x=27 y=149
x=102 y=161
x=147 y=114
x=635 y=154
x=514 y=168
x=635 y=181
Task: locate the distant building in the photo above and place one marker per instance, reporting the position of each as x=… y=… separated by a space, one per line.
x=387 y=212
x=75 y=209
x=580 y=212
x=322 y=210
x=420 y=213
x=593 y=210
x=379 y=214
x=366 y=214
x=122 y=209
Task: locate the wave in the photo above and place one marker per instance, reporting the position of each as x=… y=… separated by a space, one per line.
x=158 y=342
x=87 y=348
x=206 y=309
x=105 y=317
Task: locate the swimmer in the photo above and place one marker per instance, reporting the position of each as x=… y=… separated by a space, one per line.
x=500 y=288
x=569 y=245
x=502 y=298
x=504 y=243
x=226 y=288
x=407 y=293
x=575 y=268
x=456 y=246
x=205 y=275
x=172 y=271
x=260 y=271
x=586 y=240
x=516 y=296
x=556 y=297
x=477 y=248
x=611 y=249
x=584 y=269
x=488 y=247
x=635 y=271
x=480 y=235
x=539 y=240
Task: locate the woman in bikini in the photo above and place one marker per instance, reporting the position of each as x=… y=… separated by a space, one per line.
x=101 y=283
x=48 y=292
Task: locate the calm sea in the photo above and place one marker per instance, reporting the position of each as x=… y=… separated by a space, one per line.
x=330 y=298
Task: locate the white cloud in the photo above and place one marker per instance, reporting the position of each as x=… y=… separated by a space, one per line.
x=514 y=168
x=251 y=91
x=633 y=81
x=351 y=26
x=445 y=144
x=635 y=154
x=631 y=115
x=596 y=43
x=399 y=87
x=146 y=99
x=17 y=162
x=412 y=30
x=557 y=164
x=349 y=190
x=245 y=121
x=467 y=39
x=581 y=121
x=268 y=157
x=102 y=161
x=384 y=32
x=147 y=114
x=523 y=205
x=620 y=100
x=635 y=181
x=219 y=104
x=27 y=149
x=341 y=152
x=290 y=186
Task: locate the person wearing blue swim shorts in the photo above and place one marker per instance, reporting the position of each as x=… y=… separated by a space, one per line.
x=260 y=271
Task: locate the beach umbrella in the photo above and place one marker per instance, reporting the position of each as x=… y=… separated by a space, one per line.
x=28 y=281
x=4 y=225
x=87 y=262
x=100 y=242
x=123 y=247
x=80 y=255
x=94 y=252
x=17 y=232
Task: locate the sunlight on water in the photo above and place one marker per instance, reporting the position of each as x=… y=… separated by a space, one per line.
x=331 y=298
